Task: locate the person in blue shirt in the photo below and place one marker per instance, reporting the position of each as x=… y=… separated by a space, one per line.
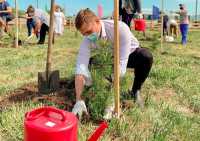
x=5 y=14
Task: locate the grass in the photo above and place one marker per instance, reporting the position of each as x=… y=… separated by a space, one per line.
x=171 y=92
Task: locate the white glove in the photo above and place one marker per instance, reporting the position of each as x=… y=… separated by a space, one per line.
x=108 y=112
x=79 y=108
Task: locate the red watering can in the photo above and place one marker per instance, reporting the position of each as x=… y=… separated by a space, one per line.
x=52 y=124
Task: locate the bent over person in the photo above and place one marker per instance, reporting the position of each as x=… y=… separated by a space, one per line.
x=131 y=55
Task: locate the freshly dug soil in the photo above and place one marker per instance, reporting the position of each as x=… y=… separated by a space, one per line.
x=64 y=97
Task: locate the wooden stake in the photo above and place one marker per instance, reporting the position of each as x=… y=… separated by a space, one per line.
x=70 y=24
x=37 y=3
x=16 y=24
x=152 y=23
x=162 y=13
x=116 y=58
x=51 y=30
x=196 y=11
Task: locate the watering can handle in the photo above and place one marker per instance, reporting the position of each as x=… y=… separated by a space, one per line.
x=98 y=132
x=30 y=116
x=62 y=113
x=43 y=111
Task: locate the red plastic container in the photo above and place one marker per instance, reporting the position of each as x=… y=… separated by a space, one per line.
x=50 y=124
x=140 y=24
x=98 y=132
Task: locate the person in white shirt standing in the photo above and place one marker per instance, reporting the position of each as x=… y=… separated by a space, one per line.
x=41 y=19
x=131 y=55
x=59 y=20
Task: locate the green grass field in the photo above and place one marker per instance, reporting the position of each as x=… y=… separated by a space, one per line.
x=171 y=93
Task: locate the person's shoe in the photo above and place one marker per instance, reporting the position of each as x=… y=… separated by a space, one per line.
x=138 y=99
x=40 y=43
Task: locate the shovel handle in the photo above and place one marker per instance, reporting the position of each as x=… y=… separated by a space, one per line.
x=98 y=132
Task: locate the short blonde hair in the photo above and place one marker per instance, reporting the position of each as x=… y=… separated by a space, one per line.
x=84 y=16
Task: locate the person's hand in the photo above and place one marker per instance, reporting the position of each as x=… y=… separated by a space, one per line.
x=79 y=108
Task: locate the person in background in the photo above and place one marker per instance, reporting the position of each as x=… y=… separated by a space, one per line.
x=5 y=14
x=128 y=9
x=165 y=21
x=172 y=26
x=184 y=23
x=59 y=20
x=41 y=19
x=131 y=56
x=30 y=23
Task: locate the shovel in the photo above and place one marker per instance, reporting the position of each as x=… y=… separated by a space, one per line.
x=48 y=81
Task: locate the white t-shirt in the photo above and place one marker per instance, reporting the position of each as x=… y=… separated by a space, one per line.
x=128 y=44
x=59 y=20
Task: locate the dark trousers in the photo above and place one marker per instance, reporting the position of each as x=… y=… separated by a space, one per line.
x=165 y=30
x=30 y=25
x=43 y=31
x=141 y=60
x=137 y=5
x=127 y=18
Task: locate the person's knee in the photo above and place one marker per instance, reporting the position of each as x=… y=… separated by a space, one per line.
x=147 y=55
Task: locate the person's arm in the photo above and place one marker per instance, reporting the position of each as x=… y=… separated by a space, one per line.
x=28 y=17
x=2 y=22
x=63 y=17
x=37 y=25
x=82 y=75
x=9 y=10
x=79 y=86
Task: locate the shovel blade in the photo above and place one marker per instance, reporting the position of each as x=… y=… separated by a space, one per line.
x=48 y=85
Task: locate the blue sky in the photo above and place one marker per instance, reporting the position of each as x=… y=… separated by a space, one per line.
x=72 y=6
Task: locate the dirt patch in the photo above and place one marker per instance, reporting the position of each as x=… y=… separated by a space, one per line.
x=2 y=45
x=165 y=95
x=169 y=96
x=185 y=110
x=29 y=92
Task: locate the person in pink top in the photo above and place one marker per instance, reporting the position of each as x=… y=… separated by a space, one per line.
x=184 y=23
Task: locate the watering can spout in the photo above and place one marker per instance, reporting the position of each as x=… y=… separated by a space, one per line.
x=98 y=132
